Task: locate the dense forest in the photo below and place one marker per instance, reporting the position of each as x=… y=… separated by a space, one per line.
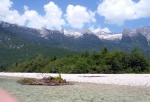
x=88 y=62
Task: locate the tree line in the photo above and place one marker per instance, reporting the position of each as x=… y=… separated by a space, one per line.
x=88 y=62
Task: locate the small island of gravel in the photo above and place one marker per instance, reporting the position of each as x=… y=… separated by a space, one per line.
x=47 y=81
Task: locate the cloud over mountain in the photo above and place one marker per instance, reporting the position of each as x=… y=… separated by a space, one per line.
x=9 y=15
x=118 y=11
x=31 y=18
x=78 y=15
x=53 y=18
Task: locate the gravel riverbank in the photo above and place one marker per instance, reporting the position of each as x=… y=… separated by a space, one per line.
x=76 y=92
x=116 y=79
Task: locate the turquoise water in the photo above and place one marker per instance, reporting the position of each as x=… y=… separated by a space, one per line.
x=77 y=92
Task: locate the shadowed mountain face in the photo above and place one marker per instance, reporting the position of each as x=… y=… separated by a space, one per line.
x=80 y=41
x=16 y=45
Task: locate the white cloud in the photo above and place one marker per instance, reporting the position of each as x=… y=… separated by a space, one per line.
x=14 y=17
x=33 y=19
x=107 y=30
x=52 y=18
x=143 y=9
x=78 y=16
x=99 y=29
x=8 y=15
x=117 y=11
x=4 y=7
x=26 y=8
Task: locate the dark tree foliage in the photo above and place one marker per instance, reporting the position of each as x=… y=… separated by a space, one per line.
x=138 y=61
x=104 y=50
x=94 y=62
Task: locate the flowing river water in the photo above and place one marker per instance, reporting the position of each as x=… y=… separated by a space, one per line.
x=75 y=92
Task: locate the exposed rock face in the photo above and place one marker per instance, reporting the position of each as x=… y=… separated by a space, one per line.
x=144 y=31
x=128 y=32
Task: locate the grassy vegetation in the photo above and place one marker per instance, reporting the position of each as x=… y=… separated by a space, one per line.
x=51 y=81
x=29 y=81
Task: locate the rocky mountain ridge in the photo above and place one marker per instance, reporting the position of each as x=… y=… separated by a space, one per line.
x=83 y=40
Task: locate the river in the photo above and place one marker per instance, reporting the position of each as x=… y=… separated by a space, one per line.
x=75 y=92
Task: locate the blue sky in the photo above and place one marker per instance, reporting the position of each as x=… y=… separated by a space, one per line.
x=96 y=15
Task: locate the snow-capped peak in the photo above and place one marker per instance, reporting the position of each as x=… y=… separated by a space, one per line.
x=101 y=34
x=72 y=33
x=110 y=36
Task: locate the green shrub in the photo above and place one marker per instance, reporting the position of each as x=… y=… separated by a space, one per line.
x=29 y=81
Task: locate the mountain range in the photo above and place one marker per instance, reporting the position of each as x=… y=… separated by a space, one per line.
x=15 y=37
